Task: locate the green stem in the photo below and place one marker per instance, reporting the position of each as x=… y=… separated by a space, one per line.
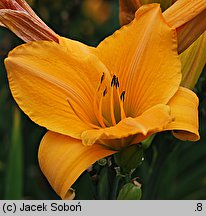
x=115 y=187
x=128 y=178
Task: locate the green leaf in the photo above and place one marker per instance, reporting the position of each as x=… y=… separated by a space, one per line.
x=129 y=158
x=84 y=189
x=147 y=142
x=14 y=174
x=103 y=187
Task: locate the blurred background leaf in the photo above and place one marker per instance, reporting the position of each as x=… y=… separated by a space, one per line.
x=171 y=169
x=14 y=174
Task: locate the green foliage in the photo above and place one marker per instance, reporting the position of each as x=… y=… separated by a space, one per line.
x=103 y=187
x=84 y=188
x=14 y=175
x=129 y=158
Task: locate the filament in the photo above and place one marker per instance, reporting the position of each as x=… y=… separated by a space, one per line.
x=101 y=121
x=98 y=110
x=121 y=101
x=113 y=83
x=80 y=117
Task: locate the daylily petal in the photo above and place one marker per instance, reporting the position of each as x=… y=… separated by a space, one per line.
x=189 y=18
x=152 y=120
x=75 y=47
x=11 y=6
x=25 y=26
x=128 y=8
x=19 y=17
x=144 y=56
x=54 y=87
x=190 y=31
x=184 y=107
x=193 y=61
x=18 y=5
x=63 y=159
x=25 y=6
x=183 y=11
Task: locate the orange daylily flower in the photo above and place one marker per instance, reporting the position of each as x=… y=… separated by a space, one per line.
x=96 y=101
x=18 y=16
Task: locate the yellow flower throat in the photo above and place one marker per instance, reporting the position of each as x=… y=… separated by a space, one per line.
x=101 y=92
x=114 y=86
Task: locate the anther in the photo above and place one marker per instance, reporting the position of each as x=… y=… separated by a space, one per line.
x=102 y=78
x=104 y=92
x=122 y=96
x=113 y=82
x=116 y=82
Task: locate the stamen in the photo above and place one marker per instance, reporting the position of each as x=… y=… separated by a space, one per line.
x=101 y=120
x=112 y=106
x=102 y=78
x=104 y=92
x=98 y=106
x=117 y=83
x=98 y=112
x=101 y=81
x=122 y=97
x=113 y=82
x=121 y=100
x=98 y=109
x=80 y=117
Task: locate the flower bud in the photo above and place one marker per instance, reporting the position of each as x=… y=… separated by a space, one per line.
x=21 y=20
x=102 y=162
x=130 y=191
